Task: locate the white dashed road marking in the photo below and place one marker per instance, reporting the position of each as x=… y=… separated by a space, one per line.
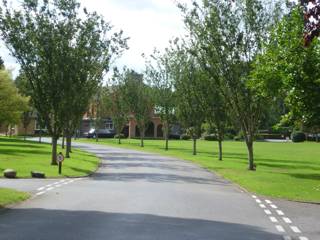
x=49 y=187
x=287 y=238
x=295 y=229
x=280 y=228
x=303 y=238
x=287 y=220
x=268 y=212
x=273 y=219
x=280 y=212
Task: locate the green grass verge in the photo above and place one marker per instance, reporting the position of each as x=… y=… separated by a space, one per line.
x=284 y=170
x=25 y=157
x=9 y=196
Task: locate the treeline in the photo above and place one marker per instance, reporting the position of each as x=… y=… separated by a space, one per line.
x=64 y=52
x=242 y=64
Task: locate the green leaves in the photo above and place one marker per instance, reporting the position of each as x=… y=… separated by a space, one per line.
x=12 y=104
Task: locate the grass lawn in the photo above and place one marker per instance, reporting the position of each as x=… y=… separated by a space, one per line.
x=25 y=157
x=9 y=196
x=284 y=170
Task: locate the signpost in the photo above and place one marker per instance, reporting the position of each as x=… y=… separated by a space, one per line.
x=60 y=159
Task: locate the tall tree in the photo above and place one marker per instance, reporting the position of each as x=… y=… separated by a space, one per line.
x=12 y=104
x=158 y=75
x=117 y=104
x=187 y=74
x=62 y=55
x=288 y=70
x=139 y=100
x=228 y=36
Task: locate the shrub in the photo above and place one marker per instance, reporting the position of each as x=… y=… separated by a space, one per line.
x=298 y=137
x=210 y=137
x=229 y=136
x=121 y=136
x=185 y=137
x=238 y=138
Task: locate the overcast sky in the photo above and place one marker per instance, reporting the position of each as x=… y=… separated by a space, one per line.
x=148 y=23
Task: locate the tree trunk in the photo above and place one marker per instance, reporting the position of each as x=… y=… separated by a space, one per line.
x=40 y=135
x=249 y=143
x=63 y=138
x=142 y=138
x=68 y=145
x=167 y=144
x=194 y=146
x=317 y=137
x=54 y=151
x=97 y=137
x=167 y=139
x=25 y=134
x=220 y=149
x=119 y=139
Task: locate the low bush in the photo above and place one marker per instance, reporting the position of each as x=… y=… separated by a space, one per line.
x=238 y=138
x=298 y=137
x=185 y=137
x=121 y=136
x=210 y=137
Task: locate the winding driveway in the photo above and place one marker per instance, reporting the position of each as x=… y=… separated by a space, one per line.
x=141 y=196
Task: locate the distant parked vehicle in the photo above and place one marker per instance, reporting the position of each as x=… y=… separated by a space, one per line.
x=101 y=133
x=40 y=131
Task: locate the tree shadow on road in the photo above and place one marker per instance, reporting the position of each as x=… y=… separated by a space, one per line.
x=157 y=178
x=22 y=224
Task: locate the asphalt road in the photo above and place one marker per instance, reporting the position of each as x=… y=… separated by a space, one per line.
x=140 y=196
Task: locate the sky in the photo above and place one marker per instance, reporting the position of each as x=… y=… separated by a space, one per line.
x=148 y=24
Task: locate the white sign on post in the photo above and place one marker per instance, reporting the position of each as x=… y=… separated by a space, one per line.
x=60 y=158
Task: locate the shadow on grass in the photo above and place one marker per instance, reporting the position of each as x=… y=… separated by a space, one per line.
x=310 y=176
x=21 y=224
x=287 y=166
x=19 y=145
x=80 y=170
x=22 y=151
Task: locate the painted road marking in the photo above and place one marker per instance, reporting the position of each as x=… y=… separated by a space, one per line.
x=280 y=228
x=273 y=219
x=50 y=188
x=40 y=193
x=295 y=229
x=280 y=212
x=303 y=238
x=40 y=189
x=59 y=185
x=287 y=220
x=268 y=212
